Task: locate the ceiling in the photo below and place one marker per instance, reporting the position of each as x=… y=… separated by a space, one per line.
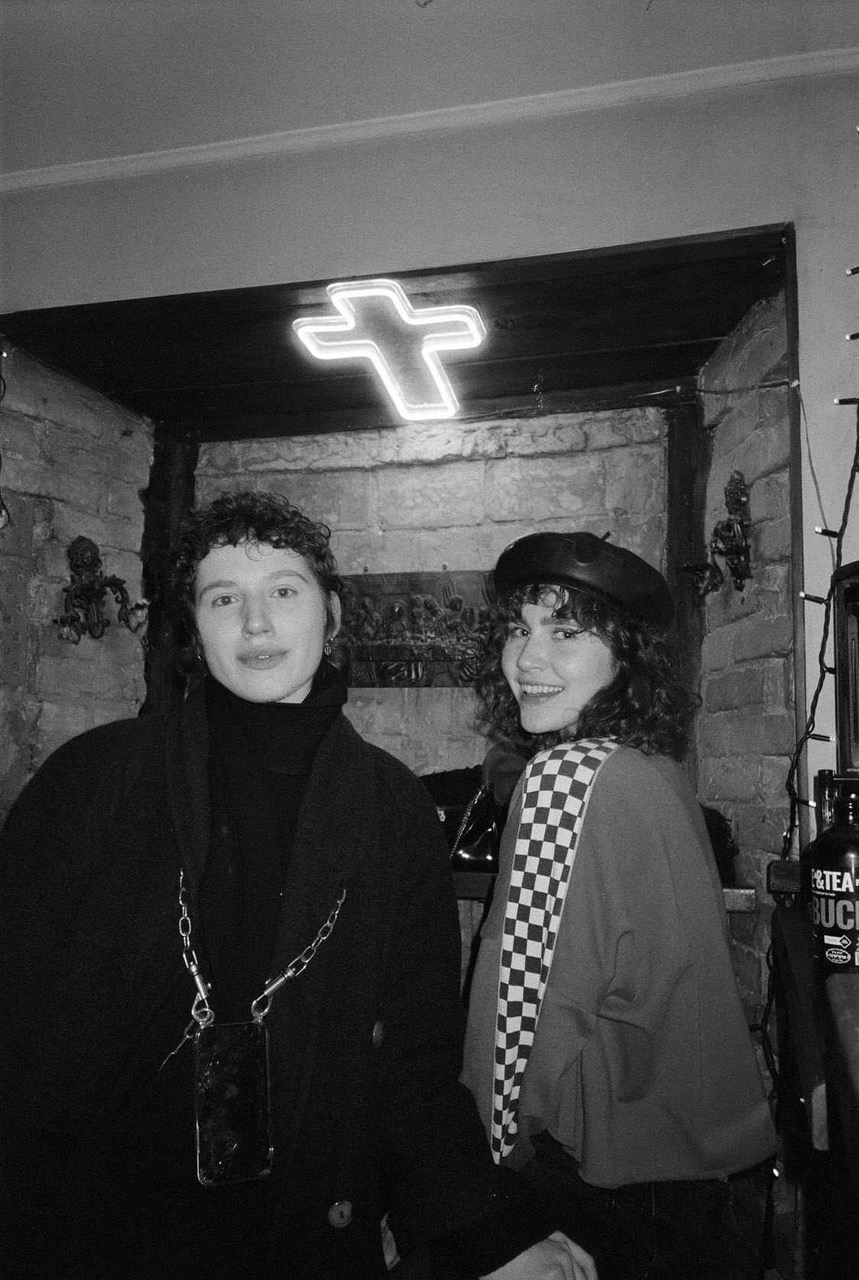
x=604 y=327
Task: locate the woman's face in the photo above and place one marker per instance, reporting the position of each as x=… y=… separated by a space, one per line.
x=262 y=619
x=553 y=667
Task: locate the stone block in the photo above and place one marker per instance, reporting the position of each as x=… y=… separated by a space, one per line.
x=736 y=688
x=60 y=720
x=737 y=424
x=732 y=778
x=762 y=637
x=549 y=434
x=49 y=396
x=717 y=648
x=16 y=540
x=122 y=498
x=540 y=489
x=777 y=685
x=430 y=497
x=760 y=829
x=732 y=733
x=764 y=451
x=635 y=481
x=772 y=540
x=341 y=499
x=769 y=497
x=618 y=428
x=751 y=351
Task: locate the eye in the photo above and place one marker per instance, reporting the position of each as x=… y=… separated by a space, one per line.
x=515 y=631
x=283 y=593
x=566 y=633
x=219 y=601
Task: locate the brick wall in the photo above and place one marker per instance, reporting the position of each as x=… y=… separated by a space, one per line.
x=746 y=729
x=73 y=463
x=452 y=495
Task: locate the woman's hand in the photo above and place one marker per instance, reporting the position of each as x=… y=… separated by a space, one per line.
x=555 y=1258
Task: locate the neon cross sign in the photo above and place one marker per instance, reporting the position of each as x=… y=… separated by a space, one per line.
x=377 y=322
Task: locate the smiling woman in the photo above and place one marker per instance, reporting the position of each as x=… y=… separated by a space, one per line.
x=607 y=1047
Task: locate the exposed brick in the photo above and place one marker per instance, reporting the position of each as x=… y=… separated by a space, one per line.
x=729 y=778
x=726 y=733
x=717 y=649
x=738 y=687
x=762 y=637
x=778 y=685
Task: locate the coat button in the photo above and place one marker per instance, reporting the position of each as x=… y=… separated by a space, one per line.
x=340 y=1214
x=378 y=1034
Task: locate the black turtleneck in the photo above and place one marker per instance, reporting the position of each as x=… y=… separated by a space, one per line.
x=260 y=758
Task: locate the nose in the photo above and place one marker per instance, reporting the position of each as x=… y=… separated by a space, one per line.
x=530 y=655
x=255 y=618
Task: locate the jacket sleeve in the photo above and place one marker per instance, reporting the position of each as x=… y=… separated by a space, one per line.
x=445 y=1187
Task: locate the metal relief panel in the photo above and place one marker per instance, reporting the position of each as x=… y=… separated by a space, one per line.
x=414 y=629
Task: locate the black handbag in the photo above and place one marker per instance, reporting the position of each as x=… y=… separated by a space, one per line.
x=478 y=837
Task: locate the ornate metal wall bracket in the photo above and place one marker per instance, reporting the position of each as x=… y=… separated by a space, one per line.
x=83 y=598
x=729 y=540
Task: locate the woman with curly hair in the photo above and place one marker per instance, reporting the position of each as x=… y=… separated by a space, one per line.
x=607 y=1046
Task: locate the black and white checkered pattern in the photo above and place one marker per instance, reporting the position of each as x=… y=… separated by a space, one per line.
x=554 y=799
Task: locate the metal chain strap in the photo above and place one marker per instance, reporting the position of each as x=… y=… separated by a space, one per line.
x=201 y=1011
x=297 y=965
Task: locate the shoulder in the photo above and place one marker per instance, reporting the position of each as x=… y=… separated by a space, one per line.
x=392 y=774
x=106 y=743
x=649 y=791
x=91 y=759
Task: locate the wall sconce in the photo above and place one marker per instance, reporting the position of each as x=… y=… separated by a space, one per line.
x=729 y=540
x=83 y=599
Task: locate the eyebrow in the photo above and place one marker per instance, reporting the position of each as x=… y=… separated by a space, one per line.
x=275 y=575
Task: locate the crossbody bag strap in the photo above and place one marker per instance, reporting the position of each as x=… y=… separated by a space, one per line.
x=556 y=791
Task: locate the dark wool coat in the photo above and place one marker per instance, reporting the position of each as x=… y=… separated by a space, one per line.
x=370 y=1118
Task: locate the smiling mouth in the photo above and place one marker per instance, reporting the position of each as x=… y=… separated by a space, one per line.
x=540 y=690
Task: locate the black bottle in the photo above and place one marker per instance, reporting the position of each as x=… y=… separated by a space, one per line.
x=831 y=875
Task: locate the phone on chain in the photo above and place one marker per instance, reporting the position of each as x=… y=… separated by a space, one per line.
x=232 y=1105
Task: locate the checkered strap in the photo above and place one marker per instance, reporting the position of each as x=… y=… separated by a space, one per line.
x=557 y=787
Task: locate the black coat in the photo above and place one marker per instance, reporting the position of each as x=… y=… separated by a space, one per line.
x=370 y=1118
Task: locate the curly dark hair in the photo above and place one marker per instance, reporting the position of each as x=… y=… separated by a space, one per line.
x=228 y=520
x=646 y=705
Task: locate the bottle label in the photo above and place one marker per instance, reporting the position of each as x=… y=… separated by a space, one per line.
x=835 y=917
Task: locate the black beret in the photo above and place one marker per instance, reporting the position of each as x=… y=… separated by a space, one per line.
x=589 y=564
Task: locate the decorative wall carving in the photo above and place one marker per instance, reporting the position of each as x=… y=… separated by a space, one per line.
x=414 y=629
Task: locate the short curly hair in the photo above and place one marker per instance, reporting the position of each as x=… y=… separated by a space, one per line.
x=647 y=704
x=228 y=520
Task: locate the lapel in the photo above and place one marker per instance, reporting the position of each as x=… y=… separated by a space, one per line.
x=188 y=786
x=336 y=831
